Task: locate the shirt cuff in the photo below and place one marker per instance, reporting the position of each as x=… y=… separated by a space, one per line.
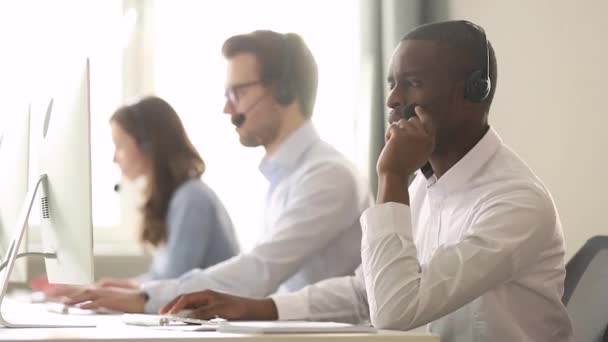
x=386 y=219
x=292 y=306
x=160 y=292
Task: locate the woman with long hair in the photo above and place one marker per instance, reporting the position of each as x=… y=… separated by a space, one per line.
x=182 y=218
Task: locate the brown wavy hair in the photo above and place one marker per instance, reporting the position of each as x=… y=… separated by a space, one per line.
x=161 y=137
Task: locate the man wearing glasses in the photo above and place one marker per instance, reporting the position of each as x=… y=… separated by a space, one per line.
x=315 y=197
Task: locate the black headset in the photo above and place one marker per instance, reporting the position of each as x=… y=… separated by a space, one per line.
x=283 y=91
x=477 y=86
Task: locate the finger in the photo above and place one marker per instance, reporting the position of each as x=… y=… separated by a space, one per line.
x=402 y=123
x=426 y=120
x=208 y=312
x=109 y=281
x=92 y=305
x=63 y=290
x=391 y=131
x=116 y=285
x=167 y=307
x=407 y=126
x=181 y=304
x=204 y=312
x=106 y=283
x=83 y=296
x=191 y=300
x=414 y=125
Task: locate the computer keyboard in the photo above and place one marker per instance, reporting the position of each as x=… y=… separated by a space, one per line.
x=64 y=309
x=22 y=313
x=178 y=318
x=164 y=320
x=37 y=314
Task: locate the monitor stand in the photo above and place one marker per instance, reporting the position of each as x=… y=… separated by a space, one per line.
x=12 y=255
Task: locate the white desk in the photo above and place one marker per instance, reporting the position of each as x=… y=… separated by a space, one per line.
x=143 y=334
x=111 y=328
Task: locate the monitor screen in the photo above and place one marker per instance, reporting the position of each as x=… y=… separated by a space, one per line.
x=65 y=196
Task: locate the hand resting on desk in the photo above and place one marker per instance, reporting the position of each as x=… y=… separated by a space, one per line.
x=210 y=304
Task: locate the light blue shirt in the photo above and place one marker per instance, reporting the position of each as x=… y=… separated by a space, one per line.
x=311 y=227
x=200 y=233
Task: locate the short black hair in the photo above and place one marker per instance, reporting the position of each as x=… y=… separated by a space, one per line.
x=466 y=39
x=272 y=50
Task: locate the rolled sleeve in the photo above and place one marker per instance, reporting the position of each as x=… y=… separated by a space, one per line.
x=292 y=306
x=385 y=219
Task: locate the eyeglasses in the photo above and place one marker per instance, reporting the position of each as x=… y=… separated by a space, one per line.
x=232 y=92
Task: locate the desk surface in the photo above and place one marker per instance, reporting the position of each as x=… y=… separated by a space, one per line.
x=111 y=328
x=146 y=334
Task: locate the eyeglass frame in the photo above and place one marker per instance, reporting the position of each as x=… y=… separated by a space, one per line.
x=231 y=94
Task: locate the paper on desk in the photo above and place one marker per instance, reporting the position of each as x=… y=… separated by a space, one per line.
x=292 y=327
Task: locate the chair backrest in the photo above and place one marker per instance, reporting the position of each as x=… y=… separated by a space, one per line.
x=586 y=290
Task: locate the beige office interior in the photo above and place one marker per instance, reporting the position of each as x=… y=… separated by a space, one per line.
x=549 y=106
x=549 y=103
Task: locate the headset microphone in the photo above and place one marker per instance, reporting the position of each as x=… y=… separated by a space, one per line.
x=239 y=118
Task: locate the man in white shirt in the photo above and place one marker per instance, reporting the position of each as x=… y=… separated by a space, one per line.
x=473 y=248
x=315 y=198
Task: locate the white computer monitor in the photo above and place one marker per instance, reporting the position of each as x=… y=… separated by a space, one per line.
x=65 y=201
x=14 y=166
x=64 y=191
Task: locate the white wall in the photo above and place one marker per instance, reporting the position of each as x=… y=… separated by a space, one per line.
x=550 y=104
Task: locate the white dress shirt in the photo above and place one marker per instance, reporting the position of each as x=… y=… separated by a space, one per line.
x=479 y=256
x=311 y=227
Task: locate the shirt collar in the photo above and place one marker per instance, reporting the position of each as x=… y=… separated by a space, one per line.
x=286 y=157
x=467 y=167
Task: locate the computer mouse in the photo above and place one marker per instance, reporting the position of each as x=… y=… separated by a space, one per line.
x=182 y=316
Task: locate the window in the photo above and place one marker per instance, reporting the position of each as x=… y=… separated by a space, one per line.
x=44 y=39
x=175 y=53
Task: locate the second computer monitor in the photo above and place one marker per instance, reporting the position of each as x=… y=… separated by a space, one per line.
x=65 y=199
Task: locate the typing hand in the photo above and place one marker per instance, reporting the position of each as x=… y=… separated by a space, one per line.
x=58 y=292
x=210 y=304
x=53 y=292
x=116 y=299
x=119 y=283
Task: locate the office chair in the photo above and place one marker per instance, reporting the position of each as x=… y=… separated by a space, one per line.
x=586 y=291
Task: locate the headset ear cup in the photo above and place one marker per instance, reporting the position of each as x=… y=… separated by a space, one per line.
x=477 y=88
x=282 y=92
